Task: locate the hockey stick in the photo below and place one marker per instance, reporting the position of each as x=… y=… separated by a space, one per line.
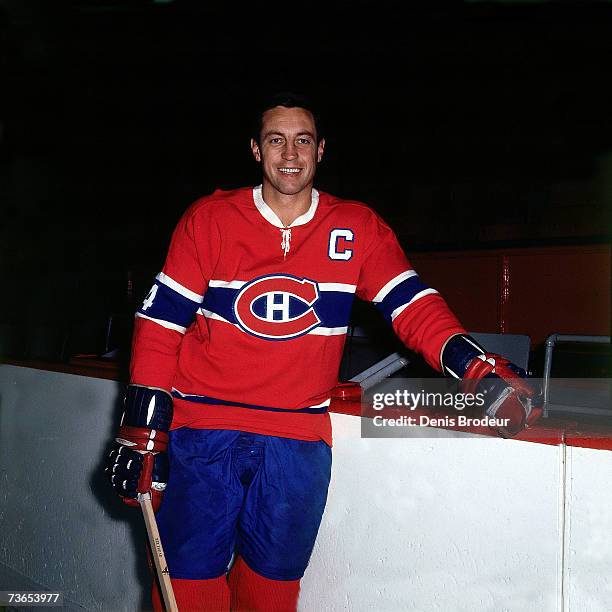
x=157 y=552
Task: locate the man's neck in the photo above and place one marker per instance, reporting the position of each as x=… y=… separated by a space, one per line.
x=287 y=207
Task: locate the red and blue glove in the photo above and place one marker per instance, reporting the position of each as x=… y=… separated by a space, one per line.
x=504 y=386
x=138 y=461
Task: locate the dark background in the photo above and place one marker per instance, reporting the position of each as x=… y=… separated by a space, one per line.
x=465 y=124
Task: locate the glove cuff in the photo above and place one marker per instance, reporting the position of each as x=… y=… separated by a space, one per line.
x=458 y=353
x=142 y=439
x=147 y=407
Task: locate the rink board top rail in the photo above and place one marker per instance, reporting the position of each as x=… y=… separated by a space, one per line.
x=550 y=431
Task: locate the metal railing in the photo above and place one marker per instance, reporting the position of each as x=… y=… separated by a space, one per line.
x=551 y=341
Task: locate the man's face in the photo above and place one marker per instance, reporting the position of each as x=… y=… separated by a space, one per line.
x=288 y=149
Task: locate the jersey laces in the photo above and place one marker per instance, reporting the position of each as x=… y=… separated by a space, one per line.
x=286 y=240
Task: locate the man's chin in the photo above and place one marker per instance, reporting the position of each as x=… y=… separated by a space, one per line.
x=290 y=190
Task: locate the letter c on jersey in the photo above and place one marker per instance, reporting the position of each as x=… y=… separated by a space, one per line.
x=277 y=307
x=334 y=251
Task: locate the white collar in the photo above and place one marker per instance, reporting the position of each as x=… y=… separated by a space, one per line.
x=269 y=215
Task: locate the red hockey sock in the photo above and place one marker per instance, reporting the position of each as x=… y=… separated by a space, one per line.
x=202 y=595
x=251 y=591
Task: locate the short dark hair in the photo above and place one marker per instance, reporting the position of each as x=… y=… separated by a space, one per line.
x=288 y=99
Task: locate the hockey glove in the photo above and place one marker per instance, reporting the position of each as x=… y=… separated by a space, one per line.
x=138 y=461
x=507 y=394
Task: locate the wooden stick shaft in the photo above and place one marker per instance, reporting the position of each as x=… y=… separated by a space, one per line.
x=157 y=552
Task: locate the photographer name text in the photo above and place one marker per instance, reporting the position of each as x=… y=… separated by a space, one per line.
x=445 y=421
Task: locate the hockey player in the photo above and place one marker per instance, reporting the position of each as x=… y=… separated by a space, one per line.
x=236 y=350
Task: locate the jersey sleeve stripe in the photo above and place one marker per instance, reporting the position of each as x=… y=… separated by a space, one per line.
x=170 y=282
x=163 y=323
x=401 y=296
x=394 y=282
x=418 y=296
x=164 y=303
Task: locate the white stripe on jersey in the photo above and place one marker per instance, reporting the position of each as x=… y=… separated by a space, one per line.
x=418 y=296
x=213 y=315
x=317 y=331
x=235 y=284
x=163 y=323
x=328 y=331
x=170 y=282
x=342 y=287
x=394 y=282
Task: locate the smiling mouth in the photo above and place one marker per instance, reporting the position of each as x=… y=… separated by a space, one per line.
x=289 y=171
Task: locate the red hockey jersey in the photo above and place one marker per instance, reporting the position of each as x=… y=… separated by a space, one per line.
x=246 y=323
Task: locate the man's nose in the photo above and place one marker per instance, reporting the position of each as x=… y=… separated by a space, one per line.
x=290 y=151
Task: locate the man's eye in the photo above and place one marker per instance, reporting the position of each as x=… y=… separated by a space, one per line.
x=276 y=140
x=304 y=141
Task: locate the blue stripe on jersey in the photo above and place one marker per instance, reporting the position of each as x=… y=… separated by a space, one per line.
x=332 y=307
x=400 y=295
x=206 y=399
x=166 y=304
x=220 y=300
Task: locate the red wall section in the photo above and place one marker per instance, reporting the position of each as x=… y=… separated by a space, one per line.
x=468 y=281
x=535 y=291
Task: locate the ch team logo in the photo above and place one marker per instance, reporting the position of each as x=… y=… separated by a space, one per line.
x=277 y=307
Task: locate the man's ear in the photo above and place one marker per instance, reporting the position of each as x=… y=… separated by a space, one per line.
x=320 y=149
x=255 y=150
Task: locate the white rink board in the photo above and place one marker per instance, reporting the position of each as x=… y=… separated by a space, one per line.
x=588 y=566
x=464 y=524
x=428 y=524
